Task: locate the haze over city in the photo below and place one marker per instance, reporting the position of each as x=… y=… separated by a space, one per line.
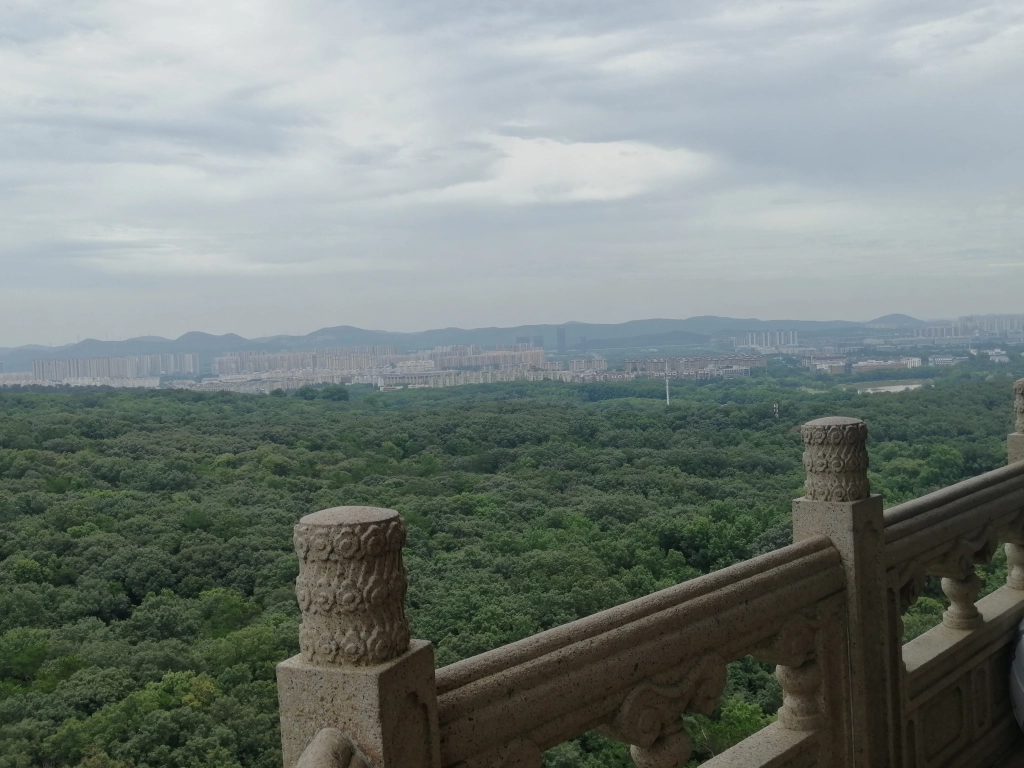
x=265 y=169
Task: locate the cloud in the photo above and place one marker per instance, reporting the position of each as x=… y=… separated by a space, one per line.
x=548 y=171
x=329 y=154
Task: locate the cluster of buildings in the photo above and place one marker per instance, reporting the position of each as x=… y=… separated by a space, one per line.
x=15 y=379
x=769 y=339
x=455 y=365
x=132 y=367
x=130 y=371
x=339 y=359
x=967 y=331
x=839 y=366
x=461 y=357
x=725 y=366
x=262 y=383
x=266 y=371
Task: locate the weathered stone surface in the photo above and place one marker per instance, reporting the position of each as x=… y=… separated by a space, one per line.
x=358 y=673
x=856 y=530
x=1015 y=442
x=1018 y=404
x=1015 y=447
x=962 y=613
x=800 y=710
x=838 y=504
x=351 y=586
x=1015 y=566
x=836 y=459
x=330 y=748
x=388 y=710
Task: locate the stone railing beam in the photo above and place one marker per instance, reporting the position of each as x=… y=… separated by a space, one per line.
x=358 y=674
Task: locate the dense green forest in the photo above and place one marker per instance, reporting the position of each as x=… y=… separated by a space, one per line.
x=146 y=568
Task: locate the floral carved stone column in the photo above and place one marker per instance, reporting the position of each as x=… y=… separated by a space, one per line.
x=351 y=586
x=835 y=459
x=838 y=503
x=358 y=672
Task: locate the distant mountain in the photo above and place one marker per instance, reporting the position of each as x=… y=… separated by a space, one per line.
x=897 y=321
x=651 y=332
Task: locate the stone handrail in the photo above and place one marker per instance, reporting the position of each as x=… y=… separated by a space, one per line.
x=948 y=532
x=632 y=670
x=826 y=610
x=984 y=506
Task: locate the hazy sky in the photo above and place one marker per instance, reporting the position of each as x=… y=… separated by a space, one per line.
x=265 y=168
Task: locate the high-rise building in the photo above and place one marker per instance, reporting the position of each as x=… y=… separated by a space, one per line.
x=771 y=339
x=522 y=339
x=538 y=342
x=560 y=335
x=133 y=367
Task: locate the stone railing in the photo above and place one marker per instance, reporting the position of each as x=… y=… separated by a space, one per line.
x=826 y=610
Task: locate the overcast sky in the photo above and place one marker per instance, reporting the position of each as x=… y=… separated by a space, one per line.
x=263 y=168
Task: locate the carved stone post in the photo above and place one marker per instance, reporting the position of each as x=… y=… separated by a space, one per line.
x=838 y=503
x=358 y=672
x=1014 y=453
x=1015 y=441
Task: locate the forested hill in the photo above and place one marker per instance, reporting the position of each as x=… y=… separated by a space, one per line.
x=146 y=566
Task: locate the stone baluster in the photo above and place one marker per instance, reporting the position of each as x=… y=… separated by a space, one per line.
x=1015 y=441
x=358 y=672
x=800 y=709
x=962 y=613
x=1015 y=566
x=838 y=503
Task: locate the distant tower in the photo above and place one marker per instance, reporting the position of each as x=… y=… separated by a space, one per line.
x=538 y=342
x=560 y=333
x=583 y=344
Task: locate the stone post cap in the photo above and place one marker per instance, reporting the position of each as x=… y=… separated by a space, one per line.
x=1018 y=404
x=351 y=586
x=350 y=516
x=836 y=459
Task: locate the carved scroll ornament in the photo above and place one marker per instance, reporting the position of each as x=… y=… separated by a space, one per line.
x=351 y=586
x=649 y=717
x=836 y=459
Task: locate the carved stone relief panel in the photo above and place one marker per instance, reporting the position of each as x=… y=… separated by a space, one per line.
x=649 y=716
